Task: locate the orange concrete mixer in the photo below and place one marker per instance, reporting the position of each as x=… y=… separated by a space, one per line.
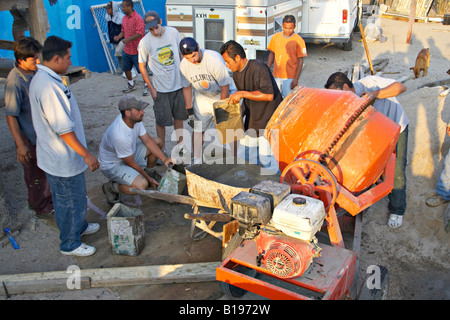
x=335 y=146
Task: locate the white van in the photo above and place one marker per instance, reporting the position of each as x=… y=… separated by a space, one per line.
x=330 y=21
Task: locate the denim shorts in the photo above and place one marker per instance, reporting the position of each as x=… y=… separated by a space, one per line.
x=124 y=174
x=169 y=106
x=128 y=61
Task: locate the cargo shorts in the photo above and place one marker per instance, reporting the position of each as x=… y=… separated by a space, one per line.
x=169 y=106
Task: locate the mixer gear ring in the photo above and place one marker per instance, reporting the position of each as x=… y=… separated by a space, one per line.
x=312 y=179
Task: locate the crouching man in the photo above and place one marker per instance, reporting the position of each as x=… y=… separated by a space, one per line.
x=127 y=153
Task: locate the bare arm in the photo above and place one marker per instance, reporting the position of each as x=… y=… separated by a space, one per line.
x=146 y=77
x=135 y=36
x=225 y=92
x=298 y=72
x=251 y=95
x=270 y=59
x=23 y=153
x=155 y=150
x=72 y=141
x=392 y=90
x=187 y=95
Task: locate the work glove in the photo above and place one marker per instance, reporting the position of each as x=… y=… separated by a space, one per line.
x=191 y=117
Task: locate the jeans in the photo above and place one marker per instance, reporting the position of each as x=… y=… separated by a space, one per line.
x=284 y=85
x=257 y=151
x=443 y=185
x=397 y=198
x=70 y=205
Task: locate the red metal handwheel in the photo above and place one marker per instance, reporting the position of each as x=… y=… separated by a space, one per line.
x=311 y=179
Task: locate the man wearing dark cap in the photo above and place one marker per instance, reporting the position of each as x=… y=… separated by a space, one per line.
x=205 y=71
x=127 y=152
x=159 y=51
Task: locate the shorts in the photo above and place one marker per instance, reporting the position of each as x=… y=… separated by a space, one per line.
x=169 y=106
x=124 y=174
x=128 y=61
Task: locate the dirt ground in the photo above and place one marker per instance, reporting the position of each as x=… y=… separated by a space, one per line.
x=417 y=255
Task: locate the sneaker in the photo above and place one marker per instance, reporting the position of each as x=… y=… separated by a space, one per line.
x=112 y=197
x=49 y=215
x=146 y=92
x=92 y=228
x=153 y=174
x=129 y=88
x=435 y=201
x=82 y=251
x=395 y=221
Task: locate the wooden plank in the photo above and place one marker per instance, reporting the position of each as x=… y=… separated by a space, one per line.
x=6 y=45
x=109 y=277
x=38 y=20
x=37 y=286
x=16 y=4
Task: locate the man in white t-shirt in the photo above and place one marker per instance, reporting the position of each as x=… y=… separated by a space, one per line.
x=385 y=92
x=127 y=152
x=158 y=50
x=206 y=73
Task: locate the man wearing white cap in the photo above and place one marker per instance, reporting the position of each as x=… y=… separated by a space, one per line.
x=127 y=152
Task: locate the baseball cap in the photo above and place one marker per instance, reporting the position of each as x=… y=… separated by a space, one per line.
x=188 y=45
x=129 y=101
x=151 y=19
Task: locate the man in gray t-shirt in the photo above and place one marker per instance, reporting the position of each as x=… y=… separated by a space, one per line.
x=158 y=50
x=384 y=91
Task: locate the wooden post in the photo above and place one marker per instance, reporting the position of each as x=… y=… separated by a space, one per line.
x=38 y=20
x=412 y=17
x=366 y=48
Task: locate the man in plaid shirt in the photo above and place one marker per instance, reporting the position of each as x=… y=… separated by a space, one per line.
x=133 y=29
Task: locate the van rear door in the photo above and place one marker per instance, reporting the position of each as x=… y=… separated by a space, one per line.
x=323 y=17
x=213 y=27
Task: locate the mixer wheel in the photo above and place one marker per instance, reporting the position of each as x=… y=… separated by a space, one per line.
x=375 y=289
x=233 y=291
x=311 y=179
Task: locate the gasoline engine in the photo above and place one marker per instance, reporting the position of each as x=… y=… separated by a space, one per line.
x=283 y=226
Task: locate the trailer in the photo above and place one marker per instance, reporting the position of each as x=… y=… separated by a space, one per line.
x=249 y=22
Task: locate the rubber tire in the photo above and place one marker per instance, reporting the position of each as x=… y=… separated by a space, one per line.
x=233 y=291
x=348 y=46
x=375 y=294
x=230 y=290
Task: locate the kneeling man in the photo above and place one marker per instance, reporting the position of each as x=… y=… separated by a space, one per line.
x=127 y=153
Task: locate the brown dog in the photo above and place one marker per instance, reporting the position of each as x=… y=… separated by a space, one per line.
x=422 y=63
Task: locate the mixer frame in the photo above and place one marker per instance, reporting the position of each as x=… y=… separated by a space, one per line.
x=334 y=274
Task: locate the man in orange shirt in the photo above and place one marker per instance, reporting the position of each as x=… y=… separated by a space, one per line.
x=287 y=50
